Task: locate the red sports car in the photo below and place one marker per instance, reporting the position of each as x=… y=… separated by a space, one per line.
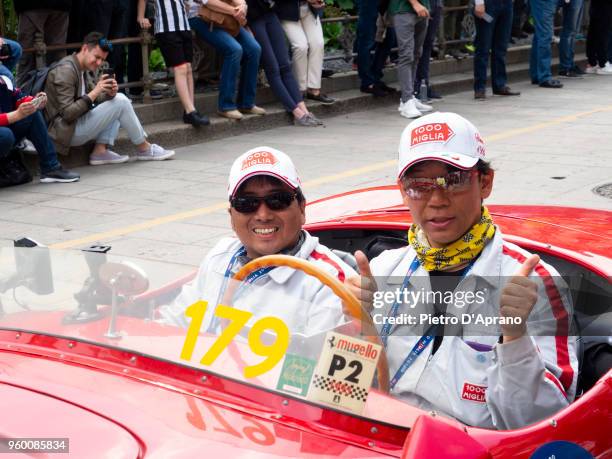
x=87 y=369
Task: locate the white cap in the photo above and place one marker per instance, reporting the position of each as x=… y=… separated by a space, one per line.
x=262 y=161
x=440 y=136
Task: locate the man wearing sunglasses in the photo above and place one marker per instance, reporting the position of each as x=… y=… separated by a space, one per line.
x=267 y=211
x=456 y=333
x=78 y=113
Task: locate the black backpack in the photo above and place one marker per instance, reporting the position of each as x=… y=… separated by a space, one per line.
x=34 y=81
x=13 y=171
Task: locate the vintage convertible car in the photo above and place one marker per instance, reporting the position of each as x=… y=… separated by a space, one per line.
x=86 y=361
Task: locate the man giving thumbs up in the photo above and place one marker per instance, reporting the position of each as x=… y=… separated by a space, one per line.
x=474 y=326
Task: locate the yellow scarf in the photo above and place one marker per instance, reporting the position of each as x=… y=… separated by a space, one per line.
x=461 y=251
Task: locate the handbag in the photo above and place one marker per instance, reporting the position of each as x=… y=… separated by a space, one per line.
x=13 y=171
x=225 y=21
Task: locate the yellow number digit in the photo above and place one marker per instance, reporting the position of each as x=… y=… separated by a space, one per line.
x=196 y=311
x=237 y=320
x=274 y=351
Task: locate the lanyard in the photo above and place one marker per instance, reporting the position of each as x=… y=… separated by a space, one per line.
x=424 y=341
x=248 y=280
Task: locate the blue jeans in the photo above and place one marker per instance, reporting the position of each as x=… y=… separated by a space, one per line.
x=275 y=59
x=8 y=65
x=492 y=37
x=366 y=32
x=34 y=129
x=243 y=49
x=543 y=12
x=571 y=23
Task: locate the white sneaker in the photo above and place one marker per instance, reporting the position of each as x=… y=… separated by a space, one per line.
x=155 y=153
x=107 y=157
x=410 y=110
x=401 y=106
x=591 y=69
x=607 y=70
x=421 y=106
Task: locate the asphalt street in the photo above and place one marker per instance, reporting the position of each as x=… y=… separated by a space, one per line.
x=547 y=147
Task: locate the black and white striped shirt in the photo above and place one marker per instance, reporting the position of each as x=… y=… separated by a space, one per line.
x=170 y=16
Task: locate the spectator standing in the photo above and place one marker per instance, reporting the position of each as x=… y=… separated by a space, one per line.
x=19 y=119
x=543 y=13
x=493 y=29
x=597 y=37
x=241 y=50
x=48 y=17
x=572 y=16
x=268 y=32
x=173 y=34
x=77 y=114
x=422 y=72
x=8 y=60
x=302 y=25
x=410 y=20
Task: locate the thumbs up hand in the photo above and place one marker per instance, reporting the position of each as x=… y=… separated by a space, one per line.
x=362 y=286
x=518 y=297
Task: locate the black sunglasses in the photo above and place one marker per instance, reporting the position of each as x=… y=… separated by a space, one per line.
x=280 y=200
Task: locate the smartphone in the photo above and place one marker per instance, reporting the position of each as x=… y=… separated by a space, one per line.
x=36 y=101
x=109 y=73
x=487 y=17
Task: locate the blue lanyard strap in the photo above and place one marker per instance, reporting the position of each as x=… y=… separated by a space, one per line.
x=417 y=350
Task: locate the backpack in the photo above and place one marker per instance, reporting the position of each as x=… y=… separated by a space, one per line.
x=34 y=81
x=13 y=171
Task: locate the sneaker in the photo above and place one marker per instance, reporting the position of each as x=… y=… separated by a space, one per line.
x=568 y=74
x=195 y=119
x=59 y=175
x=155 y=153
x=409 y=109
x=315 y=119
x=577 y=70
x=421 y=106
x=375 y=90
x=323 y=98
x=607 y=70
x=305 y=121
x=107 y=157
x=231 y=114
x=590 y=69
x=254 y=110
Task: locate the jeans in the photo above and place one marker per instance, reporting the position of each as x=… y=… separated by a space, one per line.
x=241 y=51
x=410 y=31
x=543 y=12
x=275 y=59
x=103 y=122
x=571 y=23
x=8 y=65
x=366 y=31
x=34 y=129
x=492 y=37
x=422 y=72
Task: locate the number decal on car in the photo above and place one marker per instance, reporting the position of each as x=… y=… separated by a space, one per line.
x=236 y=319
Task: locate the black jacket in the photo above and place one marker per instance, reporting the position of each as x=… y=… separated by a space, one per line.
x=258 y=8
x=27 y=5
x=289 y=10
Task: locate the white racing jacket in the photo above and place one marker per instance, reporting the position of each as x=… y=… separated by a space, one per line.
x=471 y=376
x=300 y=300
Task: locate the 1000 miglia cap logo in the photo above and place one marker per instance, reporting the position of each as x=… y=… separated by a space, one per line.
x=259 y=158
x=432 y=132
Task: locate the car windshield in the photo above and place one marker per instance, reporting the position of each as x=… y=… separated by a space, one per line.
x=259 y=336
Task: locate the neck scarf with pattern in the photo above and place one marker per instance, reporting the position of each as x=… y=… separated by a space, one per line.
x=462 y=251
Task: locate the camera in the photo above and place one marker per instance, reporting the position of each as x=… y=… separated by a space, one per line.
x=5 y=50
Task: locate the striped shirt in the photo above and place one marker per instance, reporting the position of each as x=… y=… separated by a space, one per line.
x=170 y=16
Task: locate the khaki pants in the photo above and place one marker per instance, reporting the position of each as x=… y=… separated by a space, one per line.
x=306 y=38
x=52 y=24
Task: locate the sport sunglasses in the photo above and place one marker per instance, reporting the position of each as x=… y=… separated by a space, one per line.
x=280 y=200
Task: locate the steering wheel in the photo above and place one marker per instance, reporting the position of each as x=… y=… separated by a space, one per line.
x=351 y=302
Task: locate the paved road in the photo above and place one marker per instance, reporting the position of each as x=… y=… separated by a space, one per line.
x=548 y=147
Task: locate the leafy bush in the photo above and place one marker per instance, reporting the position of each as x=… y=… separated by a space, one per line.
x=332 y=31
x=156 y=61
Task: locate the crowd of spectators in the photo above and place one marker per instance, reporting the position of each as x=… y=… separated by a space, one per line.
x=285 y=37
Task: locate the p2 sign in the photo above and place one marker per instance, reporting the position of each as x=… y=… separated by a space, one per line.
x=344 y=372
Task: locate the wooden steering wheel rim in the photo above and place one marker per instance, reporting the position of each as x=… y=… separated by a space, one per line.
x=350 y=300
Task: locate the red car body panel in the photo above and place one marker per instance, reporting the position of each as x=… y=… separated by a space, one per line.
x=124 y=404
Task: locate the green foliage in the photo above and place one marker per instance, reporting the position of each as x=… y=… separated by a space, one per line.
x=156 y=61
x=332 y=31
x=8 y=28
